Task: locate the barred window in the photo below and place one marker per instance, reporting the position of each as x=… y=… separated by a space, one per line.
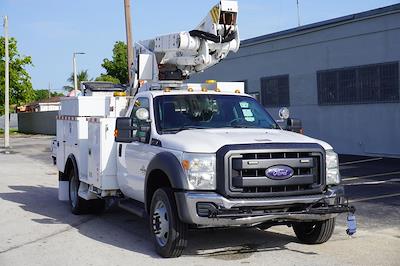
x=362 y=84
x=275 y=91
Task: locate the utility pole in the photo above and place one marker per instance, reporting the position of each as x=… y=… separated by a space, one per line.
x=128 y=28
x=298 y=13
x=74 y=67
x=49 y=90
x=7 y=89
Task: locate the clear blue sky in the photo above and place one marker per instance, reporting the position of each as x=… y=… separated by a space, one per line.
x=51 y=30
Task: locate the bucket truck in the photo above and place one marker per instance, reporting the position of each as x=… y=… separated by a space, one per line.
x=193 y=155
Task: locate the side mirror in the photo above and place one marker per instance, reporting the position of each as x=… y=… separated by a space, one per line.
x=294 y=125
x=125 y=130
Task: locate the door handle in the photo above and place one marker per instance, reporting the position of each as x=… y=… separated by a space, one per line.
x=120 y=150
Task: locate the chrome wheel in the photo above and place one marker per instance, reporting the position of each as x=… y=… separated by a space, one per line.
x=167 y=231
x=160 y=223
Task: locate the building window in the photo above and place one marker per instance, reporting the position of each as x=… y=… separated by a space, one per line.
x=357 y=85
x=275 y=91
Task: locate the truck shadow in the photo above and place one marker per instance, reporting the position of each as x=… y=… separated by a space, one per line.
x=121 y=229
x=116 y=227
x=237 y=243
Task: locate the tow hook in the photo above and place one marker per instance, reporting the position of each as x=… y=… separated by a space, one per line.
x=340 y=208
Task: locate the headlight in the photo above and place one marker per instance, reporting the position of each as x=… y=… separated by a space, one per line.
x=200 y=170
x=332 y=168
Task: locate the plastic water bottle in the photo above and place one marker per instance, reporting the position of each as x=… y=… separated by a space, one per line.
x=351 y=224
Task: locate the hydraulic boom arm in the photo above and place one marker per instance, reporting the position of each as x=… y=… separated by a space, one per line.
x=174 y=57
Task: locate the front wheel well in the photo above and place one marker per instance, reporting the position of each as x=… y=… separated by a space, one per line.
x=156 y=179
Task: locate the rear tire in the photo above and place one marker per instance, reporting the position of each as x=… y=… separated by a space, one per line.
x=78 y=205
x=167 y=231
x=314 y=232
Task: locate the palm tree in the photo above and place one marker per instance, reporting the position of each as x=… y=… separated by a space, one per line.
x=81 y=76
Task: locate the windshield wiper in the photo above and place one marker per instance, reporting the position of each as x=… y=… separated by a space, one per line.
x=179 y=129
x=248 y=126
x=240 y=126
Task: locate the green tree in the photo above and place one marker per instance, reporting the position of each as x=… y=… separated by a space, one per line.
x=41 y=94
x=118 y=65
x=21 y=90
x=57 y=94
x=108 y=78
x=44 y=94
x=81 y=76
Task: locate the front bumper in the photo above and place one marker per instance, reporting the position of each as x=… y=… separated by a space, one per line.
x=236 y=212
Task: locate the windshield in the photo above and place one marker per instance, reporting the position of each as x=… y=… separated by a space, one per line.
x=175 y=113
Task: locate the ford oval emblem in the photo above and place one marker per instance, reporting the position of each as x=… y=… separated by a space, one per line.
x=279 y=172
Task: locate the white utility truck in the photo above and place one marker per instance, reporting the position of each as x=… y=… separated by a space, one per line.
x=193 y=155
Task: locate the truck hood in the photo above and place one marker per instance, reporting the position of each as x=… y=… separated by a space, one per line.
x=211 y=140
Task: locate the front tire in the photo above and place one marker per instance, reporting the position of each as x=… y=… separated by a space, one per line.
x=167 y=231
x=314 y=232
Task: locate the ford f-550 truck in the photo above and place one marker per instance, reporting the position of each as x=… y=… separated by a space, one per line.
x=193 y=155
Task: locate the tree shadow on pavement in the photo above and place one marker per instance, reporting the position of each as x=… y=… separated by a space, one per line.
x=121 y=229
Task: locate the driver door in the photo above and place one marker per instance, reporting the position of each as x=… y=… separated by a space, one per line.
x=133 y=158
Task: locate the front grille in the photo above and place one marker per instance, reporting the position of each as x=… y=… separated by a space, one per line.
x=245 y=171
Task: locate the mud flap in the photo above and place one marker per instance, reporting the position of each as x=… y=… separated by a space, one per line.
x=63 y=190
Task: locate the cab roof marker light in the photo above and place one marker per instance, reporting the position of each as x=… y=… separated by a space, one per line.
x=204 y=89
x=167 y=90
x=119 y=94
x=190 y=89
x=237 y=91
x=217 y=90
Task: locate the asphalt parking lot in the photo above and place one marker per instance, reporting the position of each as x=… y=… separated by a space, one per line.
x=373 y=186
x=37 y=229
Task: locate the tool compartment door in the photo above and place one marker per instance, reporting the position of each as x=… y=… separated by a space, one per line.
x=94 y=154
x=60 y=145
x=102 y=165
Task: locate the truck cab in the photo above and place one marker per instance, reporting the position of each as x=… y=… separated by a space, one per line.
x=194 y=125
x=224 y=162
